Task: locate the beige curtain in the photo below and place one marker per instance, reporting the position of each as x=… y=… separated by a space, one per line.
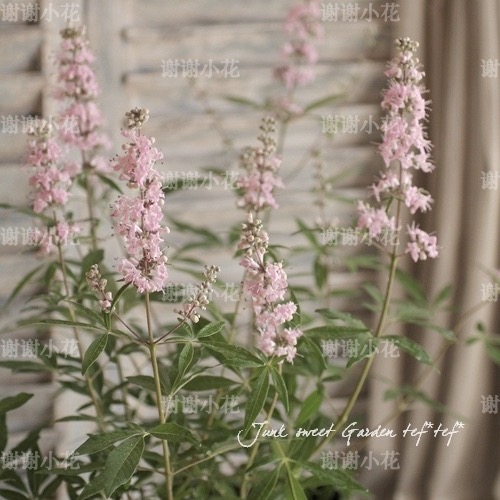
x=456 y=37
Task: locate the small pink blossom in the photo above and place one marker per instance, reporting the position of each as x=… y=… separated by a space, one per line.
x=421 y=244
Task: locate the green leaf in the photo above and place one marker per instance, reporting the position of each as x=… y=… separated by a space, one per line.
x=211 y=329
x=310 y=406
x=313 y=355
x=94 y=487
x=99 y=442
x=208 y=382
x=20 y=285
x=184 y=363
x=13 y=402
x=335 y=331
x=145 y=381
x=242 y=100
x=93 y=257
x=256 y=399
x=3 y=433
x=347 y=318
x=339 y=478
x=293 y=489
x=59 y=322
x=493 y=351
x=308 y=233
x=320 y=273
x=412 y=286
x=411 y=347
x=233 y=355
x=443 y=295
x=92 y=353
x=25 y=366
x=329 y=99
x=13 y=495
x=263 y=489
x=280 y=386
x=173 y=433
x=122 y=462
x=109 y=182
x=118 y=295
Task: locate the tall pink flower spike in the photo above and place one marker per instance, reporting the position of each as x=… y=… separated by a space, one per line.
x=404 y=147
x=138 y=219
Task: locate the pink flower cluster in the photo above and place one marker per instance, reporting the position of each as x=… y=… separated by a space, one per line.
x=267 y=284
x=404 y=143
x=59 y=235
x=81 y=119
x=138 y=219
x=50 y=184
x=261 y=165
x=300 y=54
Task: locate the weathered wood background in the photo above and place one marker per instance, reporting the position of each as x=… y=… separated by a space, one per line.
x=130 y=39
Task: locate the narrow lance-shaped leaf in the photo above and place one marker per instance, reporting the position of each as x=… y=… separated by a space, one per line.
x=256 y=399
x=92 y=353
x=122 y=462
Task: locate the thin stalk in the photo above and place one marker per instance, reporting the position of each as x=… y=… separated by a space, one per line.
x=88 y=380
x=161 y=415
x=380 y=326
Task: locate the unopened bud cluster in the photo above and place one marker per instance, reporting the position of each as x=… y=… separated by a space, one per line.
x=253 y=237
x=136 y=118
x=98 y=284
x=200 y=300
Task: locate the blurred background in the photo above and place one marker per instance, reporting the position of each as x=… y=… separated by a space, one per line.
x=205 y=111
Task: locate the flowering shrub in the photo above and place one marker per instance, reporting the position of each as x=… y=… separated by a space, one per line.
x=136 y=355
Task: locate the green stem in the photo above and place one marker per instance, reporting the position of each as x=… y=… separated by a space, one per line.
x=161 y=415
x=90 y=387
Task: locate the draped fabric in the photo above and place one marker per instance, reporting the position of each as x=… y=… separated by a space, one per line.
x=457 y=39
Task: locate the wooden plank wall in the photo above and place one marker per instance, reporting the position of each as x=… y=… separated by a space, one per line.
x=131 y=39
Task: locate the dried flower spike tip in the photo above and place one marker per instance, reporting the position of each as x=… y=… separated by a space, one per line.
x=136 y=118
x=98 y=284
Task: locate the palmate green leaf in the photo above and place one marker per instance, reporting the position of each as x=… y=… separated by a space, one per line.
x=99 y=442
x=365 y=346
x=93 y=352
x=13 y=495
x=232 y=355
x=13 y=402
x=265 y=486
x=174 y=433
x=310 y=406
x=256 y=399
x=443 y=295
x=122 y=462
x=293 y=490
x=87 y=312
x=411 y=347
